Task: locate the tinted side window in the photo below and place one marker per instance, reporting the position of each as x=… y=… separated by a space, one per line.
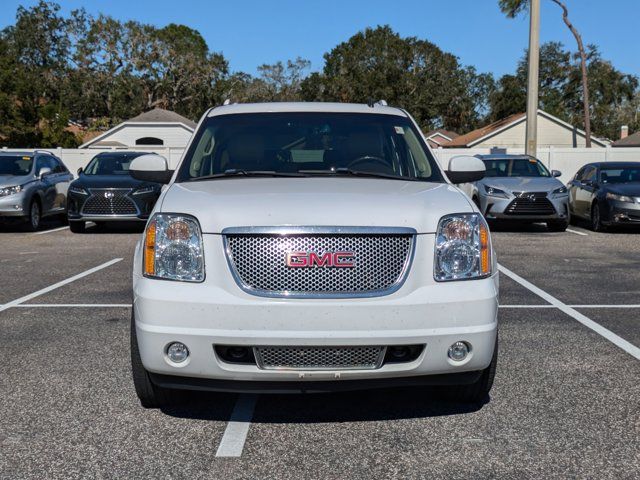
x=578 y=175
x=56 y=165
x=589 y=175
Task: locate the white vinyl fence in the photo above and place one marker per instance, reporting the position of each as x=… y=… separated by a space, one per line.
x=567 y=160
x=75 y=158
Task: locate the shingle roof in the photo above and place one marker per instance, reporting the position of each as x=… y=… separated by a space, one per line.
x=160 y=115
x=442 y=131
x=632 y=140
x=467 y=138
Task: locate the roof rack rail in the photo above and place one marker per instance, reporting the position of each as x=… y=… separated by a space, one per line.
x=227 y=101
x=379 y=103
x=39 y=150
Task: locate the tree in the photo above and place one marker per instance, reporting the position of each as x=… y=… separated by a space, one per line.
x=514 y=7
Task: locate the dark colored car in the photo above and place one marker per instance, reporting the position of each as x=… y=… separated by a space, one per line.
x=106 y=192
x=606 y=193
x=33 y=185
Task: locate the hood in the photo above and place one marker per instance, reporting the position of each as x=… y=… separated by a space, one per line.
x=242 y=202
x=108 y=181
x=523 y=184
x=11 y=180
x=631 y=189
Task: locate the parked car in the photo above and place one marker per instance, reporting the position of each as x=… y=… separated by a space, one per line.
x=105 y=192
x=33 y=185
x=312 y=247
x=606 y=193
x=520 y=188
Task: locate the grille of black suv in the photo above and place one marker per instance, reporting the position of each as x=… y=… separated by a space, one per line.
x=326 y=358
x=530 y=203
x=380 y=262
x=109 y=201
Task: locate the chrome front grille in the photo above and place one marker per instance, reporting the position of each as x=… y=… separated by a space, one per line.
x=530 y=203
x=319 y=358
x=109 y=201
x=381 y=259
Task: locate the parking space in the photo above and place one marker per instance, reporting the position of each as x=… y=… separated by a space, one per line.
x=564 y=403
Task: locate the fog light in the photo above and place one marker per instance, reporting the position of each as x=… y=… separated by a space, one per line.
x=177 y=352
x=458 y=351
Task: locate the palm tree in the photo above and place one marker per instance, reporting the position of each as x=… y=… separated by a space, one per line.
x=512 y=8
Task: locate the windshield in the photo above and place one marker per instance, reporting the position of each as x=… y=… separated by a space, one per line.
x=515 y=167
x=307 y=144
x=620 y=175
x=17 y=165
x=110 y=164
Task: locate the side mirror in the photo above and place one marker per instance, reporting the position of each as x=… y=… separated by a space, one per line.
x=556 y=173
x=80 y=170
x=44 y=171
x=465 y=169
x=151 y=168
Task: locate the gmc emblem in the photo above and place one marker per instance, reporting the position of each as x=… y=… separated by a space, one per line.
x=327 y=259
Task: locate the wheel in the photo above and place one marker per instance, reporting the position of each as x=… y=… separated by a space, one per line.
x=557 y=225
x=77 y=227
x=596 y=220
x=150 y=395
x=478 y=391
x=35 y=215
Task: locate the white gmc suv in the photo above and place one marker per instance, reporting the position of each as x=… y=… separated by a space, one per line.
x=307 y=247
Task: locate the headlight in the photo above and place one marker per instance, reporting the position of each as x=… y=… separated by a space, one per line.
x=619 y=198
x=143 y=190
x=560 y=191
x=6 y=191
x=495 y=192
x=173 y=248
x=463 y=248
x=79 y=190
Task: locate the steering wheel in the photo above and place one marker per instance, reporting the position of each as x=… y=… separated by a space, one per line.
x=370 y=159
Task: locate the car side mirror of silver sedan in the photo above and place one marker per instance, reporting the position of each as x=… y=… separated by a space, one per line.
x=556 y=173
x=44 y=171
x=465 y=169
x=151 y=168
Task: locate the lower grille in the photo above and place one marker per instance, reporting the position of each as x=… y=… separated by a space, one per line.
x=109 y=202
x=530 y=203
x=319 y=358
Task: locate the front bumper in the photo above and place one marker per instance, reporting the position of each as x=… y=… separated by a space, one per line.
x=218 y=312
x=14 y=205
x=496 y=208
x=623 y=213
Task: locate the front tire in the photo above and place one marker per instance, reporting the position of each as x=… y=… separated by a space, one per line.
x=150 y=395
x=478 y=391
x=77 y=227
x=557 y=225
x=35 y=216
x=596 y=219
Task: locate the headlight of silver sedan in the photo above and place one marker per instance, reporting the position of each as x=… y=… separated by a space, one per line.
x=463 y=248
x=6 y=191
x=173 y=248
x=495 y=192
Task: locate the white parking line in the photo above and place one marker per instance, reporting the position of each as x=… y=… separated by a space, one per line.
x=26 y=298
x=51 y=231
x=235 y=435
x=74 y=305
x=572 y=306
x=587 y=322
x=577 y=232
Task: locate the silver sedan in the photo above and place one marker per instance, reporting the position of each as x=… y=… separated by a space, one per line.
x=519 y=187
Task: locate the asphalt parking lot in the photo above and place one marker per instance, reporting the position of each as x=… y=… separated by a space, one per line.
x=565 y=403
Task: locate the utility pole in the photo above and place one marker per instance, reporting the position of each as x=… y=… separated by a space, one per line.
x=531 y=140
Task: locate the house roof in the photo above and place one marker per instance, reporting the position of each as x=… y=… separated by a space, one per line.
x=476 y=136
x=160 y=115
x=157 y=115
x=632 y=140
x=448 y=134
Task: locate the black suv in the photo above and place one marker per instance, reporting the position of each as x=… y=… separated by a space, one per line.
x=105 y=191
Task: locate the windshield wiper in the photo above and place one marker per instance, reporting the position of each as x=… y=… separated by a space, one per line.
x=357 y=173
x=235 y=172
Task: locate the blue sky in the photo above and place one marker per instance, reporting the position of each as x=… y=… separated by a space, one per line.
x=252 y=32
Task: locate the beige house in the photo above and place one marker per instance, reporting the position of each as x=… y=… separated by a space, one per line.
x=157 y=127
x=509 y=133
